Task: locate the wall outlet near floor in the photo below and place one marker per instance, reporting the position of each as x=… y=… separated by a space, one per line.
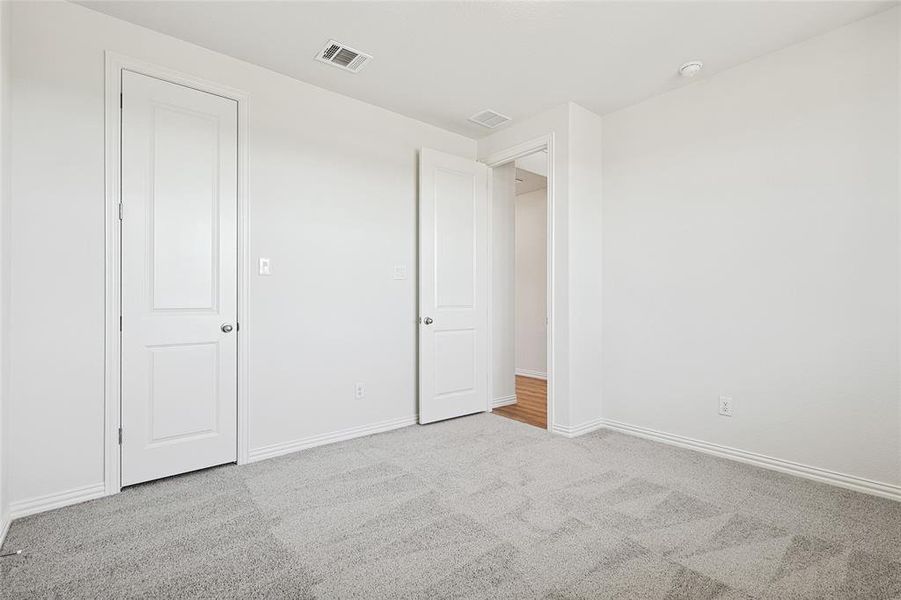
x=359 y=391
x=726 y=406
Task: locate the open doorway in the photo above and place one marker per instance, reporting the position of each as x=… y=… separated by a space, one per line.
x=520 y=288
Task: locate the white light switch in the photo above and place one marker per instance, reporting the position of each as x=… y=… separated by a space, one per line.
x=400 y=271
x=264 y=267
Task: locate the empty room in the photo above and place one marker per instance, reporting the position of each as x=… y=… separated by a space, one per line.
x=484 y=300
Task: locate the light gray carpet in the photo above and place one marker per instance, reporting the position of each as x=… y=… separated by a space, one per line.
x=479 y=507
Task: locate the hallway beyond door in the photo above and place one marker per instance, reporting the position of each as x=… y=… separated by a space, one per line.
x=531 y=402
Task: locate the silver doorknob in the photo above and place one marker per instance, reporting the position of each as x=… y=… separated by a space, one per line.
x=428 y=321
x=227 y=328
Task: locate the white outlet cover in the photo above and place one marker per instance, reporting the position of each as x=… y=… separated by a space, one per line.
x=265 y=268
x=359 y=391
x=726 y=406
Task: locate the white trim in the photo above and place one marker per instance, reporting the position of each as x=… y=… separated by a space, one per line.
x=519 y=150
x=503 y=401
x=23 y=508
x=499 y=158
x=115 y=63
x=282 y=448
x=5 y=208
x=532 y=374
x=4 y=529
x=111 y=297
x=851 y=482
x=898 y=331
x=577 y=430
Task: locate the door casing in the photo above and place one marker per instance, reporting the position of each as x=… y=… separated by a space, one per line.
x=115 y=64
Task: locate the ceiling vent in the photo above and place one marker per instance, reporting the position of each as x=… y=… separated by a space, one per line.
x=343 y=57
x=489 y=119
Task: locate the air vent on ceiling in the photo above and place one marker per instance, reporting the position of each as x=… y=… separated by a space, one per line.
x=343 y=57
x=489 y=119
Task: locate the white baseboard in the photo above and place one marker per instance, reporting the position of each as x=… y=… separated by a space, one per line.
x=274 y=450
x=503 y=401
x=577 y=430
x=532 y=374
x=31 y=506
x=851 y=482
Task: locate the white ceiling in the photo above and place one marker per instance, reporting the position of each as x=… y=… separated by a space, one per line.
x=440 y=62
x=535 y=162
x=527 y=181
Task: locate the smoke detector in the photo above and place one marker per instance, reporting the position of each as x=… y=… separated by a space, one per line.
x=343 y=56
x=489 y=118
x=690 y=69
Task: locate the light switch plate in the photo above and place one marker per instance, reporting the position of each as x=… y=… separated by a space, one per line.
x=264 y=267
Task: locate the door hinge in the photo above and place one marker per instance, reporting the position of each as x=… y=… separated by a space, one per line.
x=120 y=211
x=120 y=322
x=237 y=326
x=120 y=436
x=121 y=101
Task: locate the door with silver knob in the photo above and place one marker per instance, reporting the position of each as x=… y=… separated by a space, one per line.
x=453 y=286
x=179 y=279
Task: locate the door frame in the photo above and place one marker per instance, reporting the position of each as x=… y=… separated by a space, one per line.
x=502 y=157
x=112 y=398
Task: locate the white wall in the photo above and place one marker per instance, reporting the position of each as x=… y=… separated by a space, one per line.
x=530 y=222
x=503 y=382
x=751 y=249
x=333 y=204
x=585 y=235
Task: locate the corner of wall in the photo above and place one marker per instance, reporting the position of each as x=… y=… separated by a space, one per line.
x=585 y=247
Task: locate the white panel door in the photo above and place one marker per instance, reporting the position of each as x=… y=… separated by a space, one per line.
x=179 y=279
x=453 y=286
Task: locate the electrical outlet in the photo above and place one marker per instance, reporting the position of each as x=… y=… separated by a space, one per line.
x=726 y=406
x=359 y=391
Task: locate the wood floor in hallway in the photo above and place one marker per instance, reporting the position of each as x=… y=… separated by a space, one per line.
x=531 y=402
